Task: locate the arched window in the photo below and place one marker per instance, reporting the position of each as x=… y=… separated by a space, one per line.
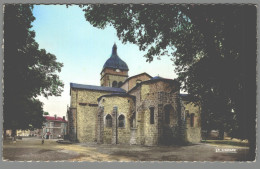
x=192 y=120
x=120 y=84
x=169 y=115
x=108 y=120
x=151 y=115
x=121 y=121
x=187 y=113
x=114 y=84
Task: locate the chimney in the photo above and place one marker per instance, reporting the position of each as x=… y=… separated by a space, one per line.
x=63 y=118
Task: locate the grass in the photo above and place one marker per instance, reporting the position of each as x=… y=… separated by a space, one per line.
x=228 y=141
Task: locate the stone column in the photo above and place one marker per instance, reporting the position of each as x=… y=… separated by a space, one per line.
x=181 y=121
x=72 y=124
x=134 y=121
x=160 y=122
x=100 y=125
x=114 y=126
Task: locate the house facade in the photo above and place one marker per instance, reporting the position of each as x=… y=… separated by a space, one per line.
x=54 y=127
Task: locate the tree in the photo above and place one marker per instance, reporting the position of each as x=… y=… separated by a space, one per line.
x=213 y=49
x=28 y=71
x=46 y=113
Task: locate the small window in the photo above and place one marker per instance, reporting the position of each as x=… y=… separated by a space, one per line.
x=108 y=121
x=187 y=113
x=52 y=124
x=120 y=84
x=114 y=84
x=192 y=120
x=152 y=115
x=121 y=121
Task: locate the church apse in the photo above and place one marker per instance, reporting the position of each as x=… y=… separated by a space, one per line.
x=140 y=109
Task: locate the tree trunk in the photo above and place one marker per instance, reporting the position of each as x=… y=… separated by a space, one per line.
x=221 y=134
x=4 y=134
x=207 y=134
x=13 y=134
x=252 y=149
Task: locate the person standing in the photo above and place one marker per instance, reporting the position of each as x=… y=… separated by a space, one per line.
x=42 y=139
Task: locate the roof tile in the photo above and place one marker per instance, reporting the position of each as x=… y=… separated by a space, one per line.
x=99 y=88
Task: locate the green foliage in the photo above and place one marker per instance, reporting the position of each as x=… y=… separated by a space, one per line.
x=210 y=46
x=28 y=70
x=46 y=113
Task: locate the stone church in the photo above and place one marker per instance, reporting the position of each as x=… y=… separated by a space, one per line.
x=140 y=109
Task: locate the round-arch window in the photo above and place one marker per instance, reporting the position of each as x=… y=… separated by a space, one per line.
x=120 y=84
x=121 y=121
x=114 y=84
x=108 y=120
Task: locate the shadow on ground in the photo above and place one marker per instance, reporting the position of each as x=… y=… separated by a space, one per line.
x=32 y=150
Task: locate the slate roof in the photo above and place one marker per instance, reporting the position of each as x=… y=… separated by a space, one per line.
x=144 y=73
x=156 y=77
x=159 y=77
x=184 y=94
x=117 y=94
x=99 y=88
x=52 y=118
x=115 y=61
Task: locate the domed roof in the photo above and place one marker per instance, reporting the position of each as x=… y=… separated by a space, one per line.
x=156 y=77
x=114 y=61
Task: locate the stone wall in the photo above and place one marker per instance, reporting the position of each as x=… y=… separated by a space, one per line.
x=72 y=123
x=112 y=71
x=157 y=94
x=107 y=137
x=140 y=137
x=193 y=134
x=150 y=130
x=112 y=78
x=109 y=75
x=131 y=83
x=125 y=86
x=124 y=106
x=87 y=116
x=84 y=107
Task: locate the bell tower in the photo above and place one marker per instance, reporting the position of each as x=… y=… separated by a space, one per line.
x=115 y=70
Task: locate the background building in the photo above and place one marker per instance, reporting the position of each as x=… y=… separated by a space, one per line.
x=54 y=127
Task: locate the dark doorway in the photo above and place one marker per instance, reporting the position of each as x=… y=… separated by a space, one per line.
x=168 y=127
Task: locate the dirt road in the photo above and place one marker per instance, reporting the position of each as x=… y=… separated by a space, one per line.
x=31 y=149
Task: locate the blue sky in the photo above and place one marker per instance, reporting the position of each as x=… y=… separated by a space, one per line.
x=84 y=49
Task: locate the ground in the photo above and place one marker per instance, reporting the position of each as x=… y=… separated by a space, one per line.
x=31 y=149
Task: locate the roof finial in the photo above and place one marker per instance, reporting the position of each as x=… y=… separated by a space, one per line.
x=114 y=51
